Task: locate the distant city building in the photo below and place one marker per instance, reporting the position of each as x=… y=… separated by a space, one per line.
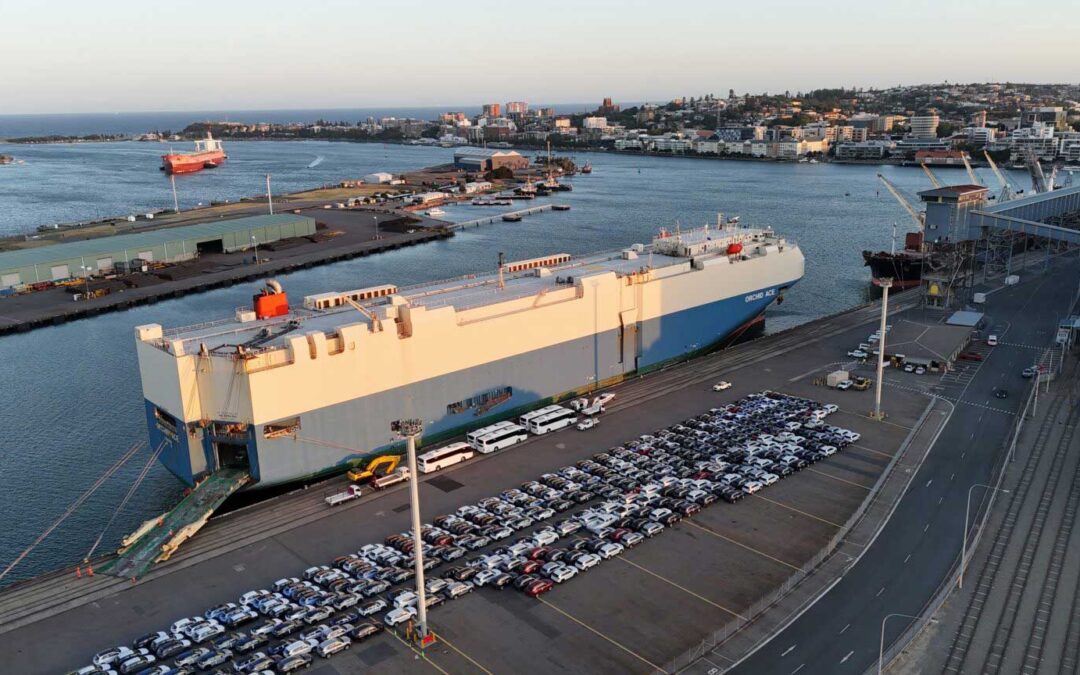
x=518 y=107
x=924 y=126
x=545 y=112
x=864 y=150
x=594 y=123
x=1054 y=116
x=608 y=108
x=492 y=110
x=978 y=119
x=452 y=117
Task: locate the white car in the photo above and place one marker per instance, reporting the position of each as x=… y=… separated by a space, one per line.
x=830 y=408
x=399 y=615
x=587 y=423
x=485 y=577
x=844 y=384
x=562 y=574
x=721 y=386
x=857 y=354
x=406 y=599
x=610 y=550
x=545 y=537
x=751 y=486
x=992 y=340
x=334 y=645
x=116 y=655
x=587 y=561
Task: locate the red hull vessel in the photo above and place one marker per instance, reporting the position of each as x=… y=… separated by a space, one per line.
x=208 y=154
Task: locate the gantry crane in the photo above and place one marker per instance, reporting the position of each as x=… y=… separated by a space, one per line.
x=1006 y=190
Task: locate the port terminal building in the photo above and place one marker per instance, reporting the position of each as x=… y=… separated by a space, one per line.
x=489 y=159
x=127 y=252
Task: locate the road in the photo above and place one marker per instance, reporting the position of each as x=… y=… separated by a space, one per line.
x=903 y=568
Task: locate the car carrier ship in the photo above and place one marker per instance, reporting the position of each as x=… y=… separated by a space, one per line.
x=285 y=393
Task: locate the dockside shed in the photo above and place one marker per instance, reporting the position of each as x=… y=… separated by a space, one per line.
x=101 y=255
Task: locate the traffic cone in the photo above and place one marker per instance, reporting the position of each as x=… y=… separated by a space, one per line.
x=89 y=570
x=78 y=572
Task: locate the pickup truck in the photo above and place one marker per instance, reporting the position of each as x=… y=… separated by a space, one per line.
x=350 y=493
x=399 y=475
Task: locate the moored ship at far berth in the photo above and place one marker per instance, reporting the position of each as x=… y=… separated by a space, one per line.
x=290 y=393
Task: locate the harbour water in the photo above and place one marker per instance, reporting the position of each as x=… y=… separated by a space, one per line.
x=72 y=402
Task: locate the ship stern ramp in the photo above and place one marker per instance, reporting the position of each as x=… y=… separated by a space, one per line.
x=159 y=542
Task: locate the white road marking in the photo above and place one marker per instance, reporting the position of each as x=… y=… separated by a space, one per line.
x=907 y=558
x=844 y=629
x=929 y=481
x=788 y=650
x=926 y=528
x=848 y=656
x=798 y=669
x=880 y=591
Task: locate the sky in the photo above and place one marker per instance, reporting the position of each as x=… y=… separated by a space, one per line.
x=138 y=55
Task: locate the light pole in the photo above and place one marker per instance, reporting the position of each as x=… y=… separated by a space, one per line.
x=967 y=514
x=885 y=284
x=881 y=647
x=175 y=201
x=410 y=429
x=86 y=280
x=269 y=198
x=255 y=243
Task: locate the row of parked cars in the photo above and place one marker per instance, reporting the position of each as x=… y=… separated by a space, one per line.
x=576 y=518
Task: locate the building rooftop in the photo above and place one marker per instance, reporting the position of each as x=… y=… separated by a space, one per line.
x=484 y=152
x=42 y=255
x=952 y=191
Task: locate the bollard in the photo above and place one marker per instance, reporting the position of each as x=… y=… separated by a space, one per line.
x=89 y=570
x=78 y=572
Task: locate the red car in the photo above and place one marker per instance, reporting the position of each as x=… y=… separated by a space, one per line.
x=539 y=587
x=537 y=553
x=530 y=566
x=970 y=356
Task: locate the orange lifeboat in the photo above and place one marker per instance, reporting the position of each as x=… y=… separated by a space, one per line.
x=734 y=249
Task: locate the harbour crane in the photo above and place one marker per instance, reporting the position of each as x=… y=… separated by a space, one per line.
x=376 y=324
x=1038 y=179
x=970 y=171
x=916 y=216
x=1006 y=190
x=929 y=174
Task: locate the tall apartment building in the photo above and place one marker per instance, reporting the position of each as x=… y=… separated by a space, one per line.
x=519 y=107
x=1053 y=116
x=924 y=126
x=492 y=110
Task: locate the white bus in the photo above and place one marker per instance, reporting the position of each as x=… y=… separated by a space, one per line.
x=502 y=437
x=473 y=436
x=552 y=421
x=524 y=419
x=440 y=458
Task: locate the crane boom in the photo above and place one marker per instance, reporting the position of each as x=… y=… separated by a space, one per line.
x=376 y=324
x=916 y=217
x=930 y=174
x=970 y=171
x=1006 y=189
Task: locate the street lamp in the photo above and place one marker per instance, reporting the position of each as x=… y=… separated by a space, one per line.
x=885 y=284
x=86 y=279
x=255 y=243
x=967 y=514
x=410 y=429
x=881 y=647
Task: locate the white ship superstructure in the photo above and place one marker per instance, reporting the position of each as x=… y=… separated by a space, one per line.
x=290 y=393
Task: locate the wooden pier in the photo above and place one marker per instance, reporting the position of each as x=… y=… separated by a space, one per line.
x=499 y=216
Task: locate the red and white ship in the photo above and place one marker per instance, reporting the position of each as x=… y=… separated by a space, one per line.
x=208 y=155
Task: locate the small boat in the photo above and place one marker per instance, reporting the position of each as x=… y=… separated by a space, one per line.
x=587 y=168
x=560 y=207
x=436 y=212
x=512 y=218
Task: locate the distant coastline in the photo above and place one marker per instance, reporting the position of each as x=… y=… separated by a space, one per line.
x=53 y=138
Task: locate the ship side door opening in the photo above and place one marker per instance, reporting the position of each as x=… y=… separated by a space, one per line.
x=231 y=455
x=230 y=441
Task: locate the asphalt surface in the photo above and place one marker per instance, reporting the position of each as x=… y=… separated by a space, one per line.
x=907 y=562
x=628 y=615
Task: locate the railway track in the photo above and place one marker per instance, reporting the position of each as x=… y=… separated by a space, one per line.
x=1006 y=623
x=984 y=582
